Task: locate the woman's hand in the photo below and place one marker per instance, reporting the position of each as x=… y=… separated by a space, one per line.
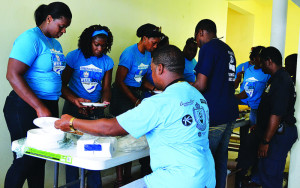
x=43 y=112
x=78 y=102
x=253 y=127
x=64 y=123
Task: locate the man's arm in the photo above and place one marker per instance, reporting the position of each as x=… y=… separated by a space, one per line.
x=99 y=127
x=201 y=82
x=271 y=130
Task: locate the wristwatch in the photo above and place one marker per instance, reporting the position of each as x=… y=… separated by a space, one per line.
x=264 y=142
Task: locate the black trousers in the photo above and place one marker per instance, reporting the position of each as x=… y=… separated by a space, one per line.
x=19 y=118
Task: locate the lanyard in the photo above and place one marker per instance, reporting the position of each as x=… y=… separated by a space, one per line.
x=175 y=81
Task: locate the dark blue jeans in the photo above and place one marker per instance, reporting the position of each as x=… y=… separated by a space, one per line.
x=218 y=142
x=19 y=118
x=270 y=169
x=72 y=173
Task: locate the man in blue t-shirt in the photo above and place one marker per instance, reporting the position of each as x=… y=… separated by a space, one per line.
x=215 y=80
x=175 y=122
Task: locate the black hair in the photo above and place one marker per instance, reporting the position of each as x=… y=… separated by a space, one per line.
x=148 y=30
x=190 y=41
x=208 y=25
x=85 y=39
x=291 y=64
x=291 y=59
x=171 y=58
x=163 y=41
x=255 y=51
x=273 y=54
x=55 y=9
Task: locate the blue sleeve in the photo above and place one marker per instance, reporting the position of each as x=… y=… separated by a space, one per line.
x=141 y=119
x=205 y=62
x=70 y=59
x=110 y=63
x=126 y=59
x=25 y=48
x=239 y=68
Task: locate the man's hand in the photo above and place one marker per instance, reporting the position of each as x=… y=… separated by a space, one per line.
x=263 y=150
x=64 y=123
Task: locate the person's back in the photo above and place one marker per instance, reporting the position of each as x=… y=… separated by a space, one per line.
x=215 y=80
x=216 y=61
x=178 y=137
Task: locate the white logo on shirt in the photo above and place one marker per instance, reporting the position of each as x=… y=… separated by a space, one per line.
x=90 y=77
x=138 y=75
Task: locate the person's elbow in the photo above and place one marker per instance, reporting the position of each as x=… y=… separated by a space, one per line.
x=11 y=77
x=200 y=87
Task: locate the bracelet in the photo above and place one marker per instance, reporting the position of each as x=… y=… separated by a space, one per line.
x=264 y=142
x=136 y=102
x=71 y=124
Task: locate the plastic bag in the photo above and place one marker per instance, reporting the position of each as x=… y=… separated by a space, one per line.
x=128 y=143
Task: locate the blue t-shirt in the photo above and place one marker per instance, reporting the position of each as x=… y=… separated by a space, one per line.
x=148 y=75
x=45 y=59
x=240 y=68
x=217 y=62
x=254 y=84
x=189 y=72
x=86 y=80
x=176 y=126
x=243 y=66
x=136 y=63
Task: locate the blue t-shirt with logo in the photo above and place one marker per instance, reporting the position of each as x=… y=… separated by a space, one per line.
x=240 y=68
x=45 y=59
x=189 y=72
x=176 y=124
x=217 y=62
x=255 y=81
x=136 y=63
x=86 y=80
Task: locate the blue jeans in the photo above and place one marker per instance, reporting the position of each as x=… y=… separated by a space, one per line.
x=252 y=117
x=218 y=142
x=93 y=177
x=72 y=173
x=270 y=169
x=19 y=118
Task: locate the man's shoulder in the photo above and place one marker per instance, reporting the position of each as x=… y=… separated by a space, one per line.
x=217 y=45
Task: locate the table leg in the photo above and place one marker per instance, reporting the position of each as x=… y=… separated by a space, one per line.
x=56 y=171
x=82 y=178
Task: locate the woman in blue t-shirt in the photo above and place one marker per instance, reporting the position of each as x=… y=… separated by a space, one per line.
x=88 y=73
x=34 y=67
x=127 y=93
x=189 y=52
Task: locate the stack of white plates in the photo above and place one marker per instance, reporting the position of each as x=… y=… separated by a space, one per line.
x=45 y=137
